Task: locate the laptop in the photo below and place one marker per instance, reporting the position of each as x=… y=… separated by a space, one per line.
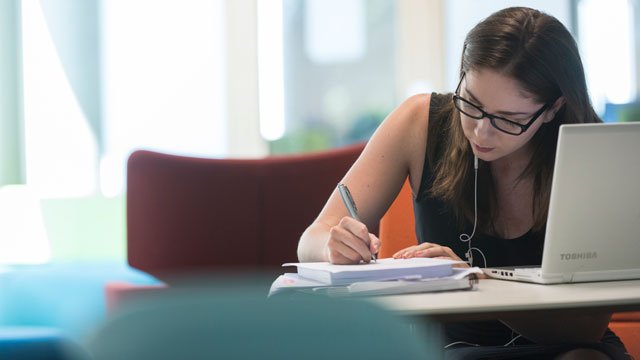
x=593 y=226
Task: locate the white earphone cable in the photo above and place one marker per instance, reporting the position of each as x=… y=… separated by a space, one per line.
x=465 y=237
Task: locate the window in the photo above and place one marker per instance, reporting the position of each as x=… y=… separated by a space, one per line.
x=60 y=101
x=102 y=79
x=163 y=81
x=606 y=33
x=338 y=72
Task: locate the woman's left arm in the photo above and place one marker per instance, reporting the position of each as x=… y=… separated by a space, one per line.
x=582 y=327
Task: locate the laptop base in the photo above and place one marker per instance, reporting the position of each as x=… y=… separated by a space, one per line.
x=531 y=274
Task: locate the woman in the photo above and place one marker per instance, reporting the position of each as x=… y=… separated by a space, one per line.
x=520 y=78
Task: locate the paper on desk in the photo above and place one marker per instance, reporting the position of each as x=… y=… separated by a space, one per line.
x=380 y=264
x=458 y=280
x=292 y=281
x=383 y=269
x=461 y=273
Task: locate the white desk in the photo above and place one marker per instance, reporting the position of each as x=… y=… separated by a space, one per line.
x=494 y=298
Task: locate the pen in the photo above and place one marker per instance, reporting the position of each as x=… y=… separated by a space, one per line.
x=351 y=206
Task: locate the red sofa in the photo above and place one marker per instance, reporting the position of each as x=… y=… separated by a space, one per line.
x=189 y=215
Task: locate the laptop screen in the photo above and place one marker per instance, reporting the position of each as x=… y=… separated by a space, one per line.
x=594 y=211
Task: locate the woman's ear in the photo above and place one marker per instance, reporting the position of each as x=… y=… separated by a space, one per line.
x=551 y=112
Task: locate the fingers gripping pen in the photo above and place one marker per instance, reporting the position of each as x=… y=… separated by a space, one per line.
x=351 y=206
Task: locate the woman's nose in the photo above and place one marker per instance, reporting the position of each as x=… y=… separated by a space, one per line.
x=483 y=128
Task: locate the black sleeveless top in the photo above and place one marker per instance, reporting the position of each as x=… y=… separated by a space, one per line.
x=437 y=224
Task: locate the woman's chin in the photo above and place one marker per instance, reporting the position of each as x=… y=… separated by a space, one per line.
x=486 y=157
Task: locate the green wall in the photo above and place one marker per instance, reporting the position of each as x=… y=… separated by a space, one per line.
x=91 y=228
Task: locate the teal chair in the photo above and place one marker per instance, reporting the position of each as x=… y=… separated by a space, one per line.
x=243 y=324
x=30 y=343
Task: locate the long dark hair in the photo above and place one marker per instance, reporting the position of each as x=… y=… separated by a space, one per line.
x=536 y=50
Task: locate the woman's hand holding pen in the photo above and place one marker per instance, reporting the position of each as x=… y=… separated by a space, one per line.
x=350 y=242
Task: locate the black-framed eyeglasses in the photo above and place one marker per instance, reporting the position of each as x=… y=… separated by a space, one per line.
x=505 y=125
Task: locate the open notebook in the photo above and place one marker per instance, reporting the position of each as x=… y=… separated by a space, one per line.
x=382 y=269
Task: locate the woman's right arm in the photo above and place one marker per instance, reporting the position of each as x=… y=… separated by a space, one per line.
x=395 y=150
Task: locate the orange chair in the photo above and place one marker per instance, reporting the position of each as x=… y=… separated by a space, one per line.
x=398 y=226
x=627 y=326
x=397 y=231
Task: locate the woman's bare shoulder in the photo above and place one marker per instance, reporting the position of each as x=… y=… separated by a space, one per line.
x=411 y=119
x=415 y=107
x=414 y=121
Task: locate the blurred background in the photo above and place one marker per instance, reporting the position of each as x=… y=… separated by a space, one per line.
x=83 y=83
